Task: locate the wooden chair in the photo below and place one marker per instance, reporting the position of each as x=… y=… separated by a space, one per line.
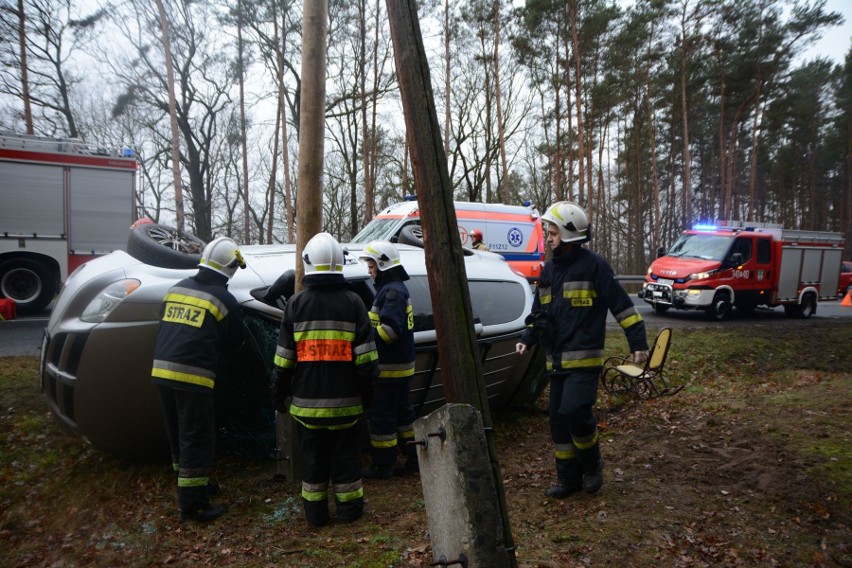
x=621 y=377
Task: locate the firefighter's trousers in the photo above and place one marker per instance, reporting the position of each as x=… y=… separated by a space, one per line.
x=333 y=455
x=391 y=418
x=190 y=426
x=571 y=409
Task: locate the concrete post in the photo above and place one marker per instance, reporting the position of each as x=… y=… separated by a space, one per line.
x=458 y=487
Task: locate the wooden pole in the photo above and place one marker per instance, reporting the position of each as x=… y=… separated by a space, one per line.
x=461 y=368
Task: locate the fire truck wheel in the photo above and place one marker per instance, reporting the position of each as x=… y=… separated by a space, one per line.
x=29 y=283
x=164 y=246
x=804 y=310
x=720 y=310
x=411 y=235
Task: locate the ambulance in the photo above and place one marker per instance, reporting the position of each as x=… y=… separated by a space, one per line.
x=511 y=231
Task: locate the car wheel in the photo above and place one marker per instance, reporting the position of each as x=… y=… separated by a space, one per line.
x=411 y=235
x=30 y=283
x=164 y=246
x=720 y=310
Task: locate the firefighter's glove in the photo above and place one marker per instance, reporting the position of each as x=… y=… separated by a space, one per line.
x=281 y=389
x=538 y=322
x=639 y=357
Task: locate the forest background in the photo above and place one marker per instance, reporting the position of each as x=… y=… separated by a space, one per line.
x=653 y=115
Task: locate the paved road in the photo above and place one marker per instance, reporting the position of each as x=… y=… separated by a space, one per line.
x=22 y=336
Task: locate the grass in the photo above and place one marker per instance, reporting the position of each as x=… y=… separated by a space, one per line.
x=749 y=465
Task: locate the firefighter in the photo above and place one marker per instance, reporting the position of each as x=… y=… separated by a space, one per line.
x=476 y=235
x=326 y=360
x=199 y=319
x=391 y=416
x=568 y=319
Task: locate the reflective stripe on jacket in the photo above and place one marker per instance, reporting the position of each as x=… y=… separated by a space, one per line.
x=326 y=350
x=199 y=319
x=572 y=298
x=392 y=318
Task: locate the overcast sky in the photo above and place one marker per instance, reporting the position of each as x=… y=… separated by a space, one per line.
x=836 y=41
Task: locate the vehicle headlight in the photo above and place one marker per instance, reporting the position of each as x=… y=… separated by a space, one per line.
x=700 y=275
x=104 y=303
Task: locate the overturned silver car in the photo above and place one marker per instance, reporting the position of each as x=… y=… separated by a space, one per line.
x=98 y=345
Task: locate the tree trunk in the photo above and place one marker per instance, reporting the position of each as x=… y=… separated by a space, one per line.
x=686 y=190
x=461 y=368
x=501 y=132
x=25 y=81
x=447 y=87
x=578 y=95
x=170 y=81
x=243 y=136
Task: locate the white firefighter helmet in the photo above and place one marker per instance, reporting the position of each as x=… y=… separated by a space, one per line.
x=323 y=255
x=383 y=253
x=223 y=256
x=571 y=219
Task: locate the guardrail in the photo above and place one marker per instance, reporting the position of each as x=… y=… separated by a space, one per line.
x=630 y=278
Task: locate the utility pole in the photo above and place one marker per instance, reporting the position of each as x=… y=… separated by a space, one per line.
x=461 y=367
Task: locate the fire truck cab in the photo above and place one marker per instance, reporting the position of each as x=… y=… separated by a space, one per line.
x=745 y=265
x=61 y=204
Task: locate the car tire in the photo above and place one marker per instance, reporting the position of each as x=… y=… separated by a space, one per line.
x=164 y=246
x=31 y=284
x=411 y=235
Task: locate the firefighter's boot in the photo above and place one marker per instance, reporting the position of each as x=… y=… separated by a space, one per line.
x=593 y=468
x=569 y=479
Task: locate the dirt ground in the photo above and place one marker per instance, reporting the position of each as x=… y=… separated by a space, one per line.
x=750 y=465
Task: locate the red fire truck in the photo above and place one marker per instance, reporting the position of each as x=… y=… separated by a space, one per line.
x=746 y=265
x=61 y=204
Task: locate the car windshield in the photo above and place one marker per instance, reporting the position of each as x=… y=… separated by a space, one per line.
x=376 y=230
x=705 y=247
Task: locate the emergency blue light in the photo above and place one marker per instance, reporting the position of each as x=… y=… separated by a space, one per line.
x=705 y=227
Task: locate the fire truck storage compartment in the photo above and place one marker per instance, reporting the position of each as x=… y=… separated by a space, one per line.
x=32 y=200
x=100 y=215
x=817 y=266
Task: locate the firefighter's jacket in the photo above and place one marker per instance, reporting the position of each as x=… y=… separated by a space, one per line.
x=569 y=311
x=392 y=318
x=326 y=357
x=199 y=320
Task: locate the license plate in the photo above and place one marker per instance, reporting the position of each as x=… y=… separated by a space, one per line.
x=665 y=281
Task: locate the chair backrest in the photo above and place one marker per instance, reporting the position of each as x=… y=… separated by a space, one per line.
x=659 y=350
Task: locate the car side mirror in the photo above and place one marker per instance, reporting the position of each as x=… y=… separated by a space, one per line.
x=737 y=258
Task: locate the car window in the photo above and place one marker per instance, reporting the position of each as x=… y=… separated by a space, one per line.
x=492 y=301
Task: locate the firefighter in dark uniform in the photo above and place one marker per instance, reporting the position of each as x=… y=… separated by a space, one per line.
x=568 y=319
x=391 y=416
x=199 y=319
x=326 y=360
